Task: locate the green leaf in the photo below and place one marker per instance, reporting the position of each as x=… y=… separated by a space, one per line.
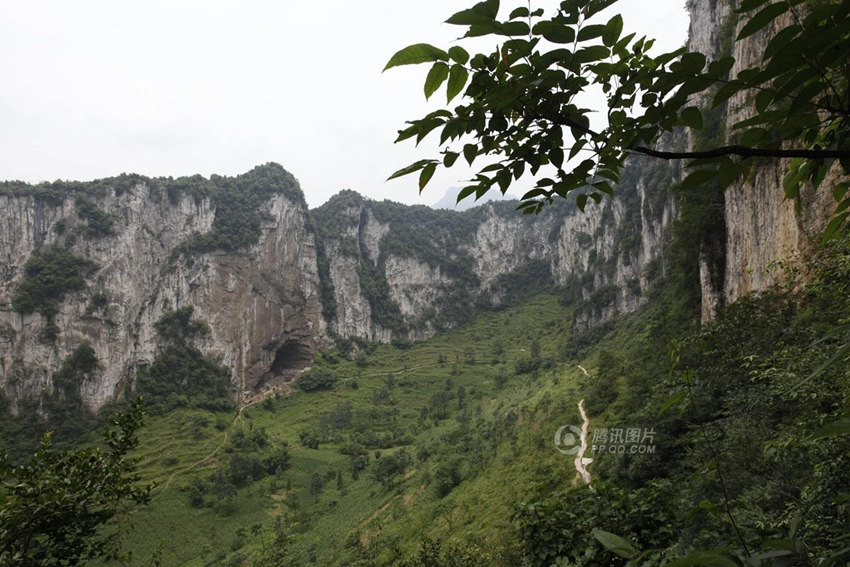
x=834 y=429
x=590 y=32
x=459 y=54
x=417 y=53
x=613 y=29
x=704 y=559
x=436 y=77
x=427 y=173
x=577 y=147
x=591 y=54
x=450 y=158
x=470 y=151
x=466 y=192
x=555 y=32
x=692 y=62
x=720 y=68
x=615 y=543
x=692 y=117
x=481 y=13
x=457 y=80
x=754 y=137
x=748 y=5
x=781 y=40
x=726 y=92
x=803 y=99
x=791 y=181
x=698 y=178
x=762 y=19
x=581 y=202
x=410 y=168
x=596 y=6
x=671 y=401
x=521 y=12
x=832 y=229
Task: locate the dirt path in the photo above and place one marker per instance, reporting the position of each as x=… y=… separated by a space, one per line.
x=215 y=451
x=175 y=474
x=580 y=461
x=402 y=371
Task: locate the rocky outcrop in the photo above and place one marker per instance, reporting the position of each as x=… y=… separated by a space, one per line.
x=435 y=266
x=763 y=230
x=261 y=303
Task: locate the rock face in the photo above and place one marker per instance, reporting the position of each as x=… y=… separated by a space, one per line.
x=411 y=271
x=261 y=303
x=762 y=228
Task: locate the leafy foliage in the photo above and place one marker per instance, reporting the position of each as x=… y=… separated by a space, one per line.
x=177 y=326
x=519 y=100
x=181 y=375
x=317 y=379
x=238 y=200
x=56 y=192
x=60 y=411
x=49 y=274
x=740 y=413
x=59 y=508
x=98 y=222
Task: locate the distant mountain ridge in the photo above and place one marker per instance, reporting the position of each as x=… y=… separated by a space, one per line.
x=449 y=200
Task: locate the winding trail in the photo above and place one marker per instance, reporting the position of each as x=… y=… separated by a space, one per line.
x=175 y=474
x=581 y=461
x=402 y=371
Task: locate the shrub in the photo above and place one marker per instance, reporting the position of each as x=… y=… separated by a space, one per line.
x=49 y=274
x=177 y=326
x=98 y=222
x=317 y=379
x=182 y=375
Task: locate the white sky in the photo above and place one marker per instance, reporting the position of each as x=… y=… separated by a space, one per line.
x=94 y=88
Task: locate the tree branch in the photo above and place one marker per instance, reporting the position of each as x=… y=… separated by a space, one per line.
x=744 y=151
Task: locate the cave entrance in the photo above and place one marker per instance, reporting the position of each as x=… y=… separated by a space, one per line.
x=290 y=358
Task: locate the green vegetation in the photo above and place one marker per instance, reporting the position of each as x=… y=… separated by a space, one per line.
x=517 y=101
x=238 y=202
x=63 y=508
x=317 y=379
x=451 y=440
x=50 y=274
x=181 y=375
x=410 y=439
x=59 y=412
x=176 y=327
x=98 y=223
x=56 y=192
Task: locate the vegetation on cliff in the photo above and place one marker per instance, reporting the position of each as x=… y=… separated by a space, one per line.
x=181 y=375
x=50 y=274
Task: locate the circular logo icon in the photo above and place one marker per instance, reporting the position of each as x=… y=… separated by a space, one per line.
x=567 y=439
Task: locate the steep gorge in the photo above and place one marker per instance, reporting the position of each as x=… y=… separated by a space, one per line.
x=291 y=281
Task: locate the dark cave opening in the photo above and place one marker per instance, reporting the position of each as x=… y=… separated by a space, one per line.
x=291 y=356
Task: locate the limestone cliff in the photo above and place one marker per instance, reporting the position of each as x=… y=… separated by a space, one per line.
x=412 y=271
x=762 y=228
x=261 y=302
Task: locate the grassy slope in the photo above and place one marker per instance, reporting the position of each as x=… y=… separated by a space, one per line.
x=321 y=526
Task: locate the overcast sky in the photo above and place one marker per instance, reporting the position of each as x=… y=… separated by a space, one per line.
x=92 y=89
